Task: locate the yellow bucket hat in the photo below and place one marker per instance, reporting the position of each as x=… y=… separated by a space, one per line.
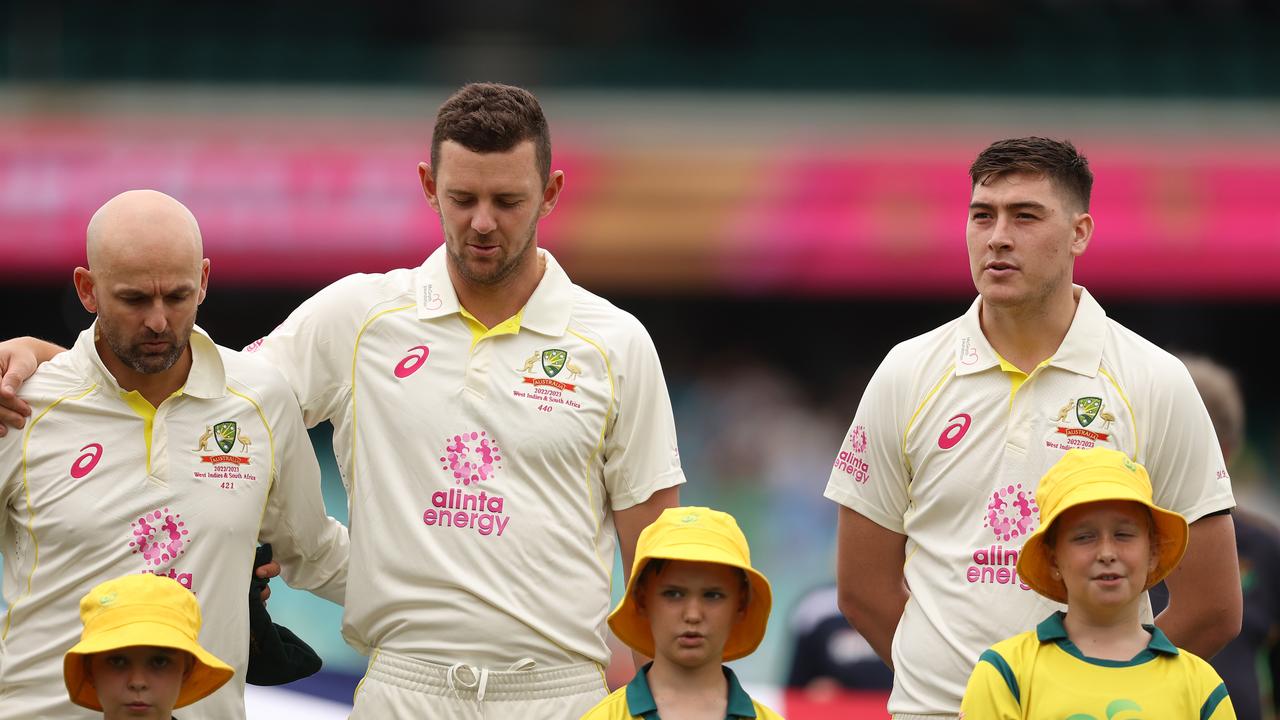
x=136 y=610
x=1088 y=476
x=696 y=534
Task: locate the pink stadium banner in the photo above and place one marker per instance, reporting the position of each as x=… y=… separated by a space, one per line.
x=287 y=203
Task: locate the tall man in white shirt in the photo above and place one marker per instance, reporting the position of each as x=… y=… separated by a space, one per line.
x=936 y=478
x=500 y=432
x=151 y=450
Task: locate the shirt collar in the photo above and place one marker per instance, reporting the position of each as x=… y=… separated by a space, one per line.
x=547 y=311
x=640 y=700
x=1054 y=629
x=1080 y=351
x=206 y=379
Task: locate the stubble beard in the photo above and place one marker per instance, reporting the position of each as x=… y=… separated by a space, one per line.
x=500 y=274
x=144 y=363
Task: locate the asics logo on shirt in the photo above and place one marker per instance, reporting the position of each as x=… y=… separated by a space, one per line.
x=955 y=431
x=416 y=358
x=85 y=464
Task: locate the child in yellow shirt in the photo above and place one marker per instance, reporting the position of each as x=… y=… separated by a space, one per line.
x=138 y=656
x=1101 y=543
x=693 y=602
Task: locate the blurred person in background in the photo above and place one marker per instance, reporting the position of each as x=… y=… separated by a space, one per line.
x=153 y=450
x=500 y=432
x=936 y=477
x=1247 y=663
x=828 y=656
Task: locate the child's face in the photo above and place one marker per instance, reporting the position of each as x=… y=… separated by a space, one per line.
x=1104 y=552
x=691 y=607
x=138 y=682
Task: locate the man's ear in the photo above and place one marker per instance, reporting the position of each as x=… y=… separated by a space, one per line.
x=429 y=188
x=85 y=283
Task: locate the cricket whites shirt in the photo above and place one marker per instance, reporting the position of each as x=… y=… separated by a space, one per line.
x=101 y=484
x=482 y=465
x=948 y=445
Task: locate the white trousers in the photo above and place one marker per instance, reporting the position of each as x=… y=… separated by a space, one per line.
x=398 y=687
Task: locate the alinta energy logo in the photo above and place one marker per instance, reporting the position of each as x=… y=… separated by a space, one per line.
x=1010 y=515
x=160 y=537
x=472 y=457
x=853 y=461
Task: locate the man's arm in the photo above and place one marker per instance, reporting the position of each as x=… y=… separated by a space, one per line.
x=1205 y=604
x=19 y=358
x=872 y=589
x=630 y=522
x=311 y=547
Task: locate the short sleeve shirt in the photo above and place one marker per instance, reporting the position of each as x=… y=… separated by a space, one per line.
x=100 y=484
x=1042 y=674
x=635 y=702
x=947 y=449
x=482 y=469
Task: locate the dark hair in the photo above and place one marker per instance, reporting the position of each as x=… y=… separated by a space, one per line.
x=489 y=117
x=654 y=567
x=1056 y=159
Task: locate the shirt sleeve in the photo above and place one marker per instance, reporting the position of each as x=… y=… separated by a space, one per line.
x=1217 y=704
x=870 y=475
x=10 y=481
x=313 y=349
x=992 y=692
x=640 y=451
x=311 y=547
x=1181 y=450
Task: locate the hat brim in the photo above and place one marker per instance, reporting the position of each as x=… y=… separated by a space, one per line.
x=1035 y=560
x=207 y=675
x=633 y=628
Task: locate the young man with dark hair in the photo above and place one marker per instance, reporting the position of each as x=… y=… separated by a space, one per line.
x=936 y=478
x=500 y=431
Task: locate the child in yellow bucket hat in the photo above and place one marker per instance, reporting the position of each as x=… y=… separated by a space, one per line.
x=1101 y=543
x=138 y=656
x=692 y=603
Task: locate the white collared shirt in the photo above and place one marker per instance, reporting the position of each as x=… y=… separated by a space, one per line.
x=944 y=449
x=100 y=484
x=482 y=469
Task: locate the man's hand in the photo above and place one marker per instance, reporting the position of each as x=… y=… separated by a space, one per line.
x=16 y=365
x=19 y=358
x=266 y=571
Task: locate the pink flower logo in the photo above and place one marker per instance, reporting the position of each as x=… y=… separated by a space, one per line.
x=1011 y=512
x=159 y=536
x=471 y=457
x=858 y=439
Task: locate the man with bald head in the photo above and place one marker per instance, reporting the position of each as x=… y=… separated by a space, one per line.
x=151 y=449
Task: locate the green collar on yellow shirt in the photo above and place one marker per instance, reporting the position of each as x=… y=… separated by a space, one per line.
x=640 y=701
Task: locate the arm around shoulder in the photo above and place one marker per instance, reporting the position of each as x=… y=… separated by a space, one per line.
x=310 y=545
x=19 y=359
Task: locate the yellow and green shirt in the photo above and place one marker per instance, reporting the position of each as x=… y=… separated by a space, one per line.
x=1042 y=674
x=636 y=701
